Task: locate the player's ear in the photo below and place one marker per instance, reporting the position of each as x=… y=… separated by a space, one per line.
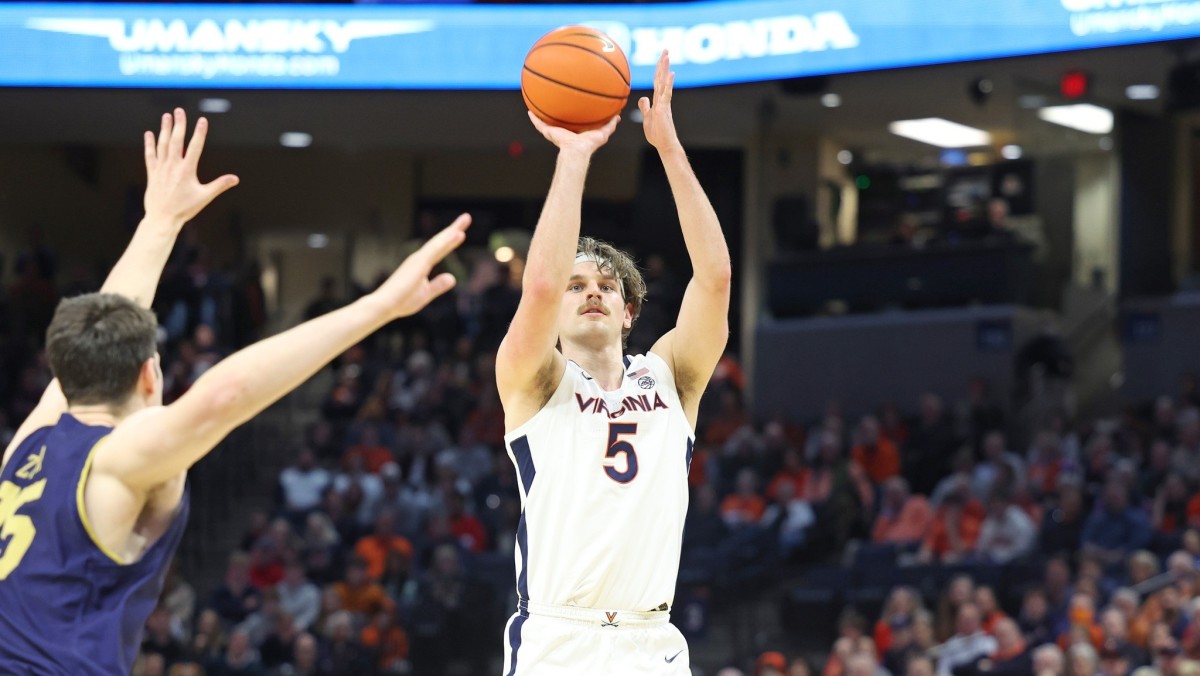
x=149 y=377
x=628 y=323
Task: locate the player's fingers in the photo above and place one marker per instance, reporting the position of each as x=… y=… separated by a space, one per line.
x=441 y=244
x=660 y=75
x=441 y=284
x=149 y=150
x=179 y=128
x=196 y=146
x=670 y=88
x=220 y=185
x=164 y=135
x=644 y=106
x=612 y=125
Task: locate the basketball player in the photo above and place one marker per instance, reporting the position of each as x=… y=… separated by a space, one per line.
x=602 y=442
x=93 y=493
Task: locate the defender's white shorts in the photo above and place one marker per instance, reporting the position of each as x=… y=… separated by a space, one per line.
x=551 y=640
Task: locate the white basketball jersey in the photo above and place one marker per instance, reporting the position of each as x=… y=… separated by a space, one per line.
x=603 y=479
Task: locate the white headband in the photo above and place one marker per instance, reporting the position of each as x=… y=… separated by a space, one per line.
x=601 y=263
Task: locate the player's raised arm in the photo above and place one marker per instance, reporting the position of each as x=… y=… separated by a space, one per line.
x=695 y=345
x=527 y=356
x=159 y=443
x=174 y=195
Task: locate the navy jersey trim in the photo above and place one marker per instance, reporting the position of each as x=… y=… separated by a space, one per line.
x=523 y=545
x=520 y=448
x=514 y=642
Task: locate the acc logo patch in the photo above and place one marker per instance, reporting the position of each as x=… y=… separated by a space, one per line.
x=645 y=382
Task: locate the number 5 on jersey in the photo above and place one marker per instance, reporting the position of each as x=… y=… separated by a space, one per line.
x=617 y=447
x=16 y=530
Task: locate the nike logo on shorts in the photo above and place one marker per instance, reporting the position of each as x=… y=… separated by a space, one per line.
x=671 y=659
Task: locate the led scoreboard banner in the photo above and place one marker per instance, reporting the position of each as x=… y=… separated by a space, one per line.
x=482 y=47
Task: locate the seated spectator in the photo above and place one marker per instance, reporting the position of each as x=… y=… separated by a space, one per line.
x=839 y=492
x=388 y=641
x=960 y=590
x=902 y=605
x=298 y=597
x=1046 y=462
x=241 y=658
x=955 y=528
x=374 y=548
x=989 y=609
x=1143 y=565
x=450 y=614
x=704 y=528
x=1006 y=532
x=770 y=663
x=1012 y=655
x=1083 y=660
x=1035 y=620
x=305 y=656
x=397 y=574
x=1062 y=526
x=1114 y=531
x=360 y=595
x=968 y=644
x=464 y=525
x=1081 y=623
x=372 y=454
x=360 y=486
x=874 y=453
x=989 y=470
x=236 y=598
x=1048 y=660
x=158 y=639
x=1115 y=645
x=343 y=654
x=919 y=666
x=790 y=517
x=1169 y=513
x=208 y=645
x=901 y=647
x=931 y=442
x=279 y=644
x=964 y=472
x=743 y=507
x=791 y=473
x=262 y=621
x=904 y=519
x=301 y=485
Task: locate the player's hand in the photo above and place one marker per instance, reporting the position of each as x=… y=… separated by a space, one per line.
x=173 y=191
x=656 y=116
x=410 y=289
x=587 y=141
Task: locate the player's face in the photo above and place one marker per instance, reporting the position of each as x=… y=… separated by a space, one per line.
x=592 y=307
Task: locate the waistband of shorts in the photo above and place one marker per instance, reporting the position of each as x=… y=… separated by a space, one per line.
x=594 y=616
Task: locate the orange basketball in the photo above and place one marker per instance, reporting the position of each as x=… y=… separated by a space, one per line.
x=575 y=77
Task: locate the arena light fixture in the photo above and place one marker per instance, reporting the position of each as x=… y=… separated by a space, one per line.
x=941 y=133
x=1142 y=92
x=295 y=139
x=214 y=106
x=1084 y=117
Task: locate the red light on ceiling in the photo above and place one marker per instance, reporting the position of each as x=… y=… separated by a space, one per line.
x=1074 y=84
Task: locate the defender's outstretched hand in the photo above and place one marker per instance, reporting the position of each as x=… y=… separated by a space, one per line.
x=173 y=191
x=656 y=116
x=587 y=141
x=410 y=289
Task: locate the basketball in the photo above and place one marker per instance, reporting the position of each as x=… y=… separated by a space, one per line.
x=575 y=77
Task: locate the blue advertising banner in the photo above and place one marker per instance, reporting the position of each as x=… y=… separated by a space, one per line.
x=483 y=47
